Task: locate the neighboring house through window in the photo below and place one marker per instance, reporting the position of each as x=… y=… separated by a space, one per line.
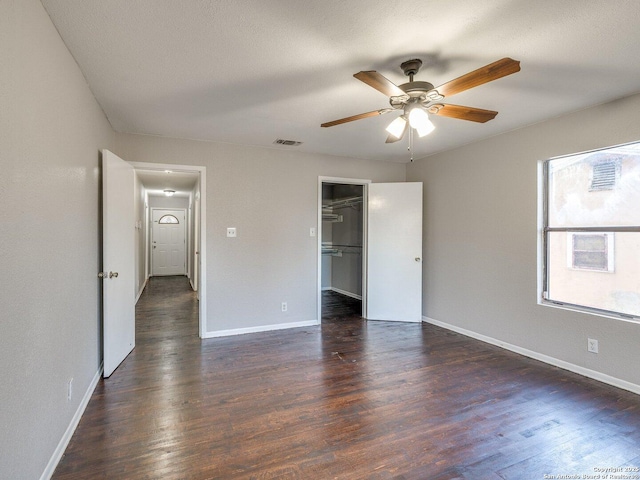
x=605 y=172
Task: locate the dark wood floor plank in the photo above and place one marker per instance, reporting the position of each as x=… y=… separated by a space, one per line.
x=349 y=399
x=336 y=305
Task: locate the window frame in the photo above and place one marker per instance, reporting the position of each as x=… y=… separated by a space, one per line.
x=544 y=245
x=168 y=215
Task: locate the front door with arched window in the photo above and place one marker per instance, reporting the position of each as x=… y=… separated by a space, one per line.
x=168 y=233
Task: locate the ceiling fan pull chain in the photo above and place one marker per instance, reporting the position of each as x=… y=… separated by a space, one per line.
x=410 y=144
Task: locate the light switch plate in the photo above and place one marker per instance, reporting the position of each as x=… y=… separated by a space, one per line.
x=231 y=231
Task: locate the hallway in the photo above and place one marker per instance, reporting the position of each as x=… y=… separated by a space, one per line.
x=350 y=399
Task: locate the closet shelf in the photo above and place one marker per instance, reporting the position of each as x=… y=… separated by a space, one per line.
x=338 y=250
x=343 y=203
x=331 y=217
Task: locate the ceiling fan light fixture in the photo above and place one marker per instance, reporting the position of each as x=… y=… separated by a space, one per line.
x=396 y=128
x=419 y=119
x=416 y=99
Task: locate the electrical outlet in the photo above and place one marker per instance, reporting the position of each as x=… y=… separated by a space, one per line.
x=592 y=345
x=231 y=231
x=70 y=389
x=284 y=306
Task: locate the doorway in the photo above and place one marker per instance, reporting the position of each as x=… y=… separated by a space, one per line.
x=158 y=177
x=342 y=231
x=390 y=247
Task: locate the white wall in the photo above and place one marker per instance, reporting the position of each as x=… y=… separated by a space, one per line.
x=270 y=196
x=51 y=130
x=195 y=238
x=480 y=234
x=346 y=271
x=140 y=206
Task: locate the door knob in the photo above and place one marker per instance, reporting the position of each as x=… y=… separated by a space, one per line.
x=417 y=259
x=113 y=274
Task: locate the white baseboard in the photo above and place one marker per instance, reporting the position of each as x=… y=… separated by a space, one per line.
x=324 y=289
x=144 y=285
x=345 y=293
x=66 y=438
x=261 y=328
x=586 y=372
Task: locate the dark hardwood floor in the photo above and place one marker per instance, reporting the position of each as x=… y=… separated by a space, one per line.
x=336 y=305
x=349 y=399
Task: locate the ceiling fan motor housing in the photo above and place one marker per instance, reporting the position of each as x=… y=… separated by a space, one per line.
x=416 y=92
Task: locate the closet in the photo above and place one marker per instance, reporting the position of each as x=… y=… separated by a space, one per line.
x=342 y=241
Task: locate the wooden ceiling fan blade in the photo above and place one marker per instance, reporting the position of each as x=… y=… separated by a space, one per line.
x=482 y=75
x=356 y=117
x=464 y=113
x=380 y=83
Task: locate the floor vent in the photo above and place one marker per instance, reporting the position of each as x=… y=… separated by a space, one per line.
x=288 y=143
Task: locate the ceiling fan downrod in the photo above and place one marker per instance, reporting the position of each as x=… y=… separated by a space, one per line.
x=411 y=67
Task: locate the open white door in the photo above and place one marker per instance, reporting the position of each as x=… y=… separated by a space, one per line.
x=394 y=265
x=118 y=260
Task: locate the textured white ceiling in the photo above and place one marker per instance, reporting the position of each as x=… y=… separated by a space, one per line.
x=156 y=181
x=252 y=71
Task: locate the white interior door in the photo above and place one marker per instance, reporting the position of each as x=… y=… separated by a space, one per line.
x=118 y=260
x=168 y=241
x=394 y=257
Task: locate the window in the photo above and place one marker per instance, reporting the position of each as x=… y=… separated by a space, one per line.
x=591 y=231
x=168 y=219
x=591 y=251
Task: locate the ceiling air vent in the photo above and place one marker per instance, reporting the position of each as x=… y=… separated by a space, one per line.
x=288 y=143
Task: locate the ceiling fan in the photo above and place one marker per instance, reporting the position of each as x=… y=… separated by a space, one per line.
x=419 y=99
